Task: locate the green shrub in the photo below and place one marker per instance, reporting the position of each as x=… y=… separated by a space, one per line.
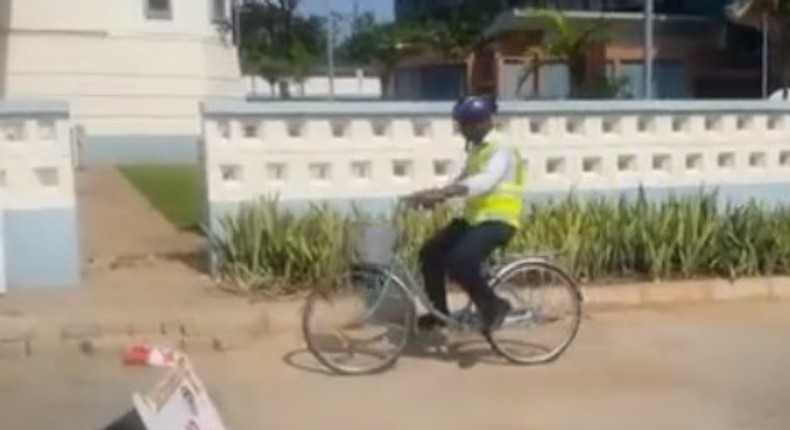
x=264 y=247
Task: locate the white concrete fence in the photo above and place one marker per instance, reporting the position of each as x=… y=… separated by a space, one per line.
x=358 y=151
x=37 y=197
x=358 y=85
x=369 y=152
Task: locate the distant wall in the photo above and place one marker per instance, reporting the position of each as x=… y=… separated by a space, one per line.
x=358 y=85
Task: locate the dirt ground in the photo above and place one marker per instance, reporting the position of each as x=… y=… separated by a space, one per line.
x=135 y=261
x=704 y=367
x=131 y=251
x=117 y=222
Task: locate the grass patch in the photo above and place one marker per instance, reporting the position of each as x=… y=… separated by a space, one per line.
x=174 y=190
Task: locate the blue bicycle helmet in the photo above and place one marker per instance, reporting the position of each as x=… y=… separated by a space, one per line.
x=474 y=108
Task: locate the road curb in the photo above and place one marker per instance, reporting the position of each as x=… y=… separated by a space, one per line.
x=694 y=291
x=218 y=330
x=114 y=346
x=226 y=328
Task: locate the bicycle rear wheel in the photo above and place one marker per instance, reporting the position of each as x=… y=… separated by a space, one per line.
x=546 y=314
x=362 y=326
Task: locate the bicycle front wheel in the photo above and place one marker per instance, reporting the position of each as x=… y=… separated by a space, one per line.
x=362 y=326
x=545 y=315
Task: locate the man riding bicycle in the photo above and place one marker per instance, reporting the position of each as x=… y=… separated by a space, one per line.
x=492 y=185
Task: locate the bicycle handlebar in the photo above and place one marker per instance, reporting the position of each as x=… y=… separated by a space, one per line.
x=411 y=201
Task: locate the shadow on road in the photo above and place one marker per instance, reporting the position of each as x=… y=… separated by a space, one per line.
x=128 y=421
x=466 y=353
x=302 y=359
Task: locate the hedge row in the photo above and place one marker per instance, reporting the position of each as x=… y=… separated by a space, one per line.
x=265 y=247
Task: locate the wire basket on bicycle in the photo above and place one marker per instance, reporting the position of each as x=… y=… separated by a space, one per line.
x=374 y=242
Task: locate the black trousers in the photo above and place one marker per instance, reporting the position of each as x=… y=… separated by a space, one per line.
x=459 y=250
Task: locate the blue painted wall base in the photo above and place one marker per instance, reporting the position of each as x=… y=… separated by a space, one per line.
x=139 y=149
x=42 y=248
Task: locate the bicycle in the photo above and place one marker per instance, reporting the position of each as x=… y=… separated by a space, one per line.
x=391 y=294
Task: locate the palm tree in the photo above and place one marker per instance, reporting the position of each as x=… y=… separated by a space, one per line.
x=383 y=46
x=459 y=31
x=271 y=69
x=300 y=64
x=777 y=14
x=395 y=43
x=568 y=44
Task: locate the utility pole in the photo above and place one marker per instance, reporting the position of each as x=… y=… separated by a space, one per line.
x=765 y=56
x=236 y=22
x=330 y=48
x=648 y=49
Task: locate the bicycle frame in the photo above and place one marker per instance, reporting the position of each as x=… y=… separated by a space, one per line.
x=416 y=290
x=398 y=270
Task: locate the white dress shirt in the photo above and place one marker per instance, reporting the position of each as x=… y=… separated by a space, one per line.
x=500 y=166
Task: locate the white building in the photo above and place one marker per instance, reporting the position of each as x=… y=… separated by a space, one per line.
x=133 y=71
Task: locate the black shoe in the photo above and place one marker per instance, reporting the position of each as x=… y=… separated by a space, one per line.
x=495 y=315
x=429 y=322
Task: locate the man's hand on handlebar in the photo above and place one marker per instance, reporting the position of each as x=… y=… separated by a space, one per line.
x=426 y=198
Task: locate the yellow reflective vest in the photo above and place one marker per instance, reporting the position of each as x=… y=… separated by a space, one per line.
x=505 y=201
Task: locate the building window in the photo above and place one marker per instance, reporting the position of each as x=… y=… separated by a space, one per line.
x=218 y=11
x=158 y=9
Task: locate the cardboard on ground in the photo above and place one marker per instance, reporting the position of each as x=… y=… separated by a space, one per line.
x=179 y=402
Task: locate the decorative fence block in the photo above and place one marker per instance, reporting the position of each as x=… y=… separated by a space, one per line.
x=37 y=195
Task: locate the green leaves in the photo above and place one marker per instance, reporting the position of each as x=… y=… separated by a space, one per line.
x=458 y=31
x=279 y=43
x=570 y=42
x=264 y=247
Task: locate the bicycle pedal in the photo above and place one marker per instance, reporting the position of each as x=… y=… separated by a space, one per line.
x=442 y=349
x=431 y=337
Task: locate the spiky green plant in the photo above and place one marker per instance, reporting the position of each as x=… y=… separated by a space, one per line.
x=266 y=247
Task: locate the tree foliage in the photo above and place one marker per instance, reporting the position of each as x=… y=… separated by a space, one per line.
x=277 y=43
x=458 y=31
x=452 y=32
x=302 y=62
x=382 y=45
x=568 y=43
